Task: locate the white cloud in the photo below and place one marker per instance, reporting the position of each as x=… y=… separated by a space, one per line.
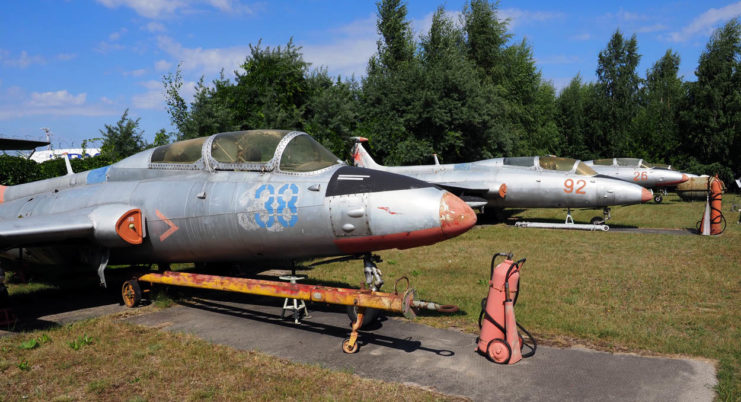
x=559 y=59
x=15 y=103
x=651 y=28
x=106 y=100
x=153 y=100
x=162 y=65
x=705 y=22
x=155 y=9
x=345 y=57
x=205 y=61
x=22 y=61
x=581 y=37
x=155 y=27
x=522 y=17
x=66 y=56
x=117 y=35
x=56 y=98
x=135 y=73
x=147 y=8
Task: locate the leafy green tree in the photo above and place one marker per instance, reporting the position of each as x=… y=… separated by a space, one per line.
x=331 y=113
x=711 y=122
x=486 y=37
x=396 y=46
x=161 y=138
x=122 y=139
x=18 y=170
x=571 y=119
x=656 y=123
x=617 y=90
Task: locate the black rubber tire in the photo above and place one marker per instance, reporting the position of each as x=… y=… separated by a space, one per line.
x=370 y=316
x=658 y=198
x=597 y=220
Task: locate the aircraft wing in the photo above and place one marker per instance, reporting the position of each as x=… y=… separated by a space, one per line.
x=467 y=186
x=113 y=225
x=13 y=144
x=473 y=193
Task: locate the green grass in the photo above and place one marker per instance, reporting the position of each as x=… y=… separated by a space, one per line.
x=132 y=363
x=647 y=293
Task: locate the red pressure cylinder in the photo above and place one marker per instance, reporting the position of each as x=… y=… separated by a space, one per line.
x=716 y=197
x=499 y=316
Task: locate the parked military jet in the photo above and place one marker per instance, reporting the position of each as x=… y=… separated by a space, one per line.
x=637 y=171
x=520 y=182
x=261 y=195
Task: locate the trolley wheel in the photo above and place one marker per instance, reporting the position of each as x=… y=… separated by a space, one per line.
x=349 y=349
x=597 y=220
x=370 y=316
x=131 y=292
x=658 y=198
x=498 y=351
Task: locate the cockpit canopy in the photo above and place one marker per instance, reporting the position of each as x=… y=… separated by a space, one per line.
x=253 y=150
x=551 y=163
x=622 y=162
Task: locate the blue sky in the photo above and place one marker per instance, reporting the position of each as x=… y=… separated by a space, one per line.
x=75 y=65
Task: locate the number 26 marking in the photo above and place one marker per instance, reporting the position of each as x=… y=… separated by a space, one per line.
x=569 y=186
x=640 y=176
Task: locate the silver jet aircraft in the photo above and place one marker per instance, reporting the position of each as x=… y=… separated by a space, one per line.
x=637 y=171
x=520 y=182
x=262 y=195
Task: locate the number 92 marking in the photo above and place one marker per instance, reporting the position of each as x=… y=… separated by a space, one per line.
x=570 y=188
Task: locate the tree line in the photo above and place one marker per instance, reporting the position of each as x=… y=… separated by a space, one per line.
x=466 y=91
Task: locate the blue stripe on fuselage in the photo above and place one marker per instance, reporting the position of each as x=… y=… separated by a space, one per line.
x=97 y=175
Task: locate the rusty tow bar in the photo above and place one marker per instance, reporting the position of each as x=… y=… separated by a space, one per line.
x=403 y=302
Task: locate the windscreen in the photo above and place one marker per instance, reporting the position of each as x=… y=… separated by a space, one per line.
x=584 y=170
x=631 y=162
x=304 y=154
x=526 y=161
x=255 y=146
x=556 y=163
x=188 y=151
x=603 y=162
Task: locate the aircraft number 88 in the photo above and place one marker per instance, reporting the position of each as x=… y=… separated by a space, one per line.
x=569 y=186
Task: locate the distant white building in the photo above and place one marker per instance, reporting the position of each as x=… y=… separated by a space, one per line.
x=73 y=153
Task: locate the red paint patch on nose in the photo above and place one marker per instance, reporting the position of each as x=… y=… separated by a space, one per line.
x=456 y=216
x=646 y=195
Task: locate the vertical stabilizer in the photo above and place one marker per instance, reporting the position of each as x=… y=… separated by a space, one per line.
x=360 y=156
x=69 y=165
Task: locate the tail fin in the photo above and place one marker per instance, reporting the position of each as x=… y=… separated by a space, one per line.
x=360 y=156
x=69 y=165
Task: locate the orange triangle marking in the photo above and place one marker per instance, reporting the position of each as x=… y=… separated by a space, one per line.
x=173 y=227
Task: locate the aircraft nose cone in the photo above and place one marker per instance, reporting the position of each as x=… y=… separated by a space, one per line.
x=646 y=195
x=456 y=216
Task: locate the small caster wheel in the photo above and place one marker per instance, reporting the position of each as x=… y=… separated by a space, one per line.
x=132 y=293
x=498 y=351
x=658 y=198
x=349 y=349
x=597 y=220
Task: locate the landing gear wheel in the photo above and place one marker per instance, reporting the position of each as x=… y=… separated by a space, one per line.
x=370 y=316
x=498 y=351
x=597 y=220
x=131 y=293
x=349 y=349
x=658 y=198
